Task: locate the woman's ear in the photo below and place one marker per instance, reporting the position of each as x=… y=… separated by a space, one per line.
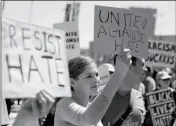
x=72 y=82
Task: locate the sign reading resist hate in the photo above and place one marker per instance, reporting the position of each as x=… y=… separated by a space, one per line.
x=33 y=58
x=116 y=29
x=161 y=106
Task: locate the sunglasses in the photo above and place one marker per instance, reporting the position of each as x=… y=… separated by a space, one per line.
x=165 y=79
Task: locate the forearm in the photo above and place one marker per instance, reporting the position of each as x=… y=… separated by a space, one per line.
x=23 y=118
x=100 y=105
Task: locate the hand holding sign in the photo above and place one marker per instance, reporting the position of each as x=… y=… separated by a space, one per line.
x=124 y=56
x=123 y=61
x=33 y=109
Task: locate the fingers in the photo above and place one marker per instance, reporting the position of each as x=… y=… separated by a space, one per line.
x=125 y=56
x=49 y=98
x=40 y=98
x=124 y=52
x=42 y=103
x=35 y=108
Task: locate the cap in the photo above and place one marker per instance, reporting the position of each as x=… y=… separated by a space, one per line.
x=168 y=70
x=108 y=66
x=163 y=75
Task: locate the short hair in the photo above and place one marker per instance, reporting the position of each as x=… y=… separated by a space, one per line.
x=78 y=65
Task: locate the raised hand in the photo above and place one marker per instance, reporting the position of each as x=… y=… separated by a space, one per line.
x=124 y=56
x=42 y=104
x=34 y=108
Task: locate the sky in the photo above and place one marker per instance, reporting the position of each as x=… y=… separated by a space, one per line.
x=46 y=13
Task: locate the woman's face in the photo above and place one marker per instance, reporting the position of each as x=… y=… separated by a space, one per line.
x=88 y=82
x=164 y=83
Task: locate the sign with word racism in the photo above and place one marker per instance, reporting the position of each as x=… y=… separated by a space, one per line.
x=161 y=53
x=33 y=58
x=161 y=106
x=72 y=38
x=116 y=29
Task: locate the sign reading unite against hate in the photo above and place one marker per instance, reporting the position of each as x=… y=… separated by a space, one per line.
x=116 y=29
x=161 y=53
x=72 y=38
x=33 y=58
x=161 y=106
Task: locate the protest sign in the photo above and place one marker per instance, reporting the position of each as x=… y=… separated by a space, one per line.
x=116 y=29
x=33 y=58
x=72 y=38
x=161 y=53
x=161 y=106
x=4 y=118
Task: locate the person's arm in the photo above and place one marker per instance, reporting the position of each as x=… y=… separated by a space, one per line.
x=98 y=107
x=23 y=118
x=33 y=109
x=116 y=110
x=137 y=103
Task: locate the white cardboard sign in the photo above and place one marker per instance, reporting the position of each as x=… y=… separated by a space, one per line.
x=161 y=54
x=33 y=58
x=116 y=29
x=72 y=38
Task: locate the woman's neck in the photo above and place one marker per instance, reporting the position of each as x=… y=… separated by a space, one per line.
x=81 y=98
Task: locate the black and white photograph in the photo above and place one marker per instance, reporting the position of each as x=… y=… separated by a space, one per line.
x=88 y=63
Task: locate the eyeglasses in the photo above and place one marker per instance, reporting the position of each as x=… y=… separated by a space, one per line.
x=168 y=79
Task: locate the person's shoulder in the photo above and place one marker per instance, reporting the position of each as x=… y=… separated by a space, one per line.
x=62 y=106
x=65 y=101
x=135 y=92
x=150 y=79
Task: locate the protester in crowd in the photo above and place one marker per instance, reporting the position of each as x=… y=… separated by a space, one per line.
x=149 y=82
x=172 y=74
x=105 y=71
x=33 y=109
x=163 y=80
x=173 y=81
x=84 y=79
x=136 y=103
x=168 y=70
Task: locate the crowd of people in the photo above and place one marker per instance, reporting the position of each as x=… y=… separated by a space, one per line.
x=122 y=96
x=149 y=81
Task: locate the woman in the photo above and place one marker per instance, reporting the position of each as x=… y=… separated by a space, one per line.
x=84 y=79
